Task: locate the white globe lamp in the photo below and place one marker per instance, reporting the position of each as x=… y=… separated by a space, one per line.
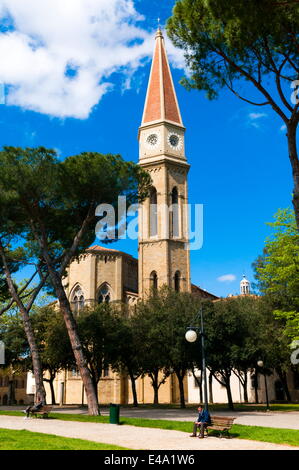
x=191 y=336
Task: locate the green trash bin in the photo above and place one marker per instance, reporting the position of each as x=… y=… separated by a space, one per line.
x=114 y=414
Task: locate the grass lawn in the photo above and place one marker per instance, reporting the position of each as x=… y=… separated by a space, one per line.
x=259 y=433
x=240 y=431
x=222 y=407
x=10 y=439
x=273 y=407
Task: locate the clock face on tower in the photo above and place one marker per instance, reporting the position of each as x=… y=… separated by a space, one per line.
x=174 y=140
x=152 y=140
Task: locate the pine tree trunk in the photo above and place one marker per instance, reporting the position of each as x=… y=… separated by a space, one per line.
x=40 y=392
x=51 y=383
x=156 y=395
x=72 y=329
x=180 y=377
x=245 y=387
x=95 y=384
x=255 y=387
x=134 y=392
x=283 y=378
x=154 y=377
x=199 y=383
x=293 y=156
x=229 y=393
x=11 y=398
x=286 y=387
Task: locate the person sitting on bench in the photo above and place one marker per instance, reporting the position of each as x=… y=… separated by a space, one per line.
x=31 y=409
x=203 y=419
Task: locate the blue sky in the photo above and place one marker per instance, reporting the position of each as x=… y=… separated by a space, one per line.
x=238 y=152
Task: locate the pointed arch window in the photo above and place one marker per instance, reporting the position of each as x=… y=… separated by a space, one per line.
x=78 y=300
x=153 y=281
x=177 y=281
x=174 y=213
x=153 y=222
x=104 y=294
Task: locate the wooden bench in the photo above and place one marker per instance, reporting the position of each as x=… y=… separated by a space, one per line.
x=43 y=411
x=221 y=424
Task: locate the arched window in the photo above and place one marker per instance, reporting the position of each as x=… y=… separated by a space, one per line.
x=104 y=294
x=154 y=281
x=153 y=213
x=77 y=300
x=177 y=280
x=174 y=213
x=245 y=286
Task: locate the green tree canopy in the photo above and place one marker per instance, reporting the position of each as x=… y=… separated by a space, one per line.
x=161 y=322
x=126 y=346
x=99 y=330
x=49 y=206
x=14 y=338
x=234 y=329
x=254 y=41
x=277 y=270
x=53 y=343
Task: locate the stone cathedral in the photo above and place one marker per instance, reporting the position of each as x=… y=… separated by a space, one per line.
x=107 y=275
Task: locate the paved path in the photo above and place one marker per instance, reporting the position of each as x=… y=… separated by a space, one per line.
x=134 y=437
x=271 y=419
x=286 y=420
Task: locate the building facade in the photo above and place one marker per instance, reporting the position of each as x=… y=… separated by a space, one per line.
x=13 y=387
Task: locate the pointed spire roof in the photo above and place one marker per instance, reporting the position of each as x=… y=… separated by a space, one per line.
x=161 y=102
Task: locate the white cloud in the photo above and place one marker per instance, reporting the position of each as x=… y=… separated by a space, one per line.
x=283 y=127
x=227 y=278
x=254 y=119
x=254 y=116
x=91 y=39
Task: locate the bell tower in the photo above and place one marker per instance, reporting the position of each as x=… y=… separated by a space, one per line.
x=163 y=217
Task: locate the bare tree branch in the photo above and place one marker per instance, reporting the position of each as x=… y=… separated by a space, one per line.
x=261 y=89
x=245 y=99
x=36 y=291
x=10 y=304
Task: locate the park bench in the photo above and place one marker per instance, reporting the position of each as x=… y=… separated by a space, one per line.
x=221 y=424
x=43 y=411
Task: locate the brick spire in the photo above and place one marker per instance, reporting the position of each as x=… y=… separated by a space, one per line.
x=161 y=102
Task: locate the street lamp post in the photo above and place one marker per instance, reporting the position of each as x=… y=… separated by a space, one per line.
x=261 y=365
x=191 y=337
